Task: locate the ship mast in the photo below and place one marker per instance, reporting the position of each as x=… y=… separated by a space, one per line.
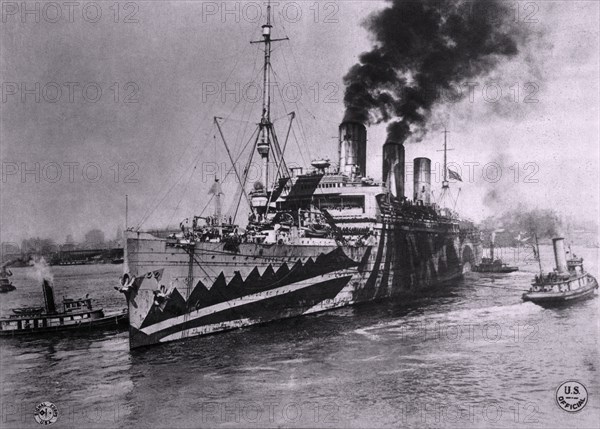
x=263 y=147
x=445 y=183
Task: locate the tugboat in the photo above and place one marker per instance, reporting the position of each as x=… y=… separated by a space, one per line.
x=567 y=283
x=491 y=265
x=76 y=315
x=5 y=284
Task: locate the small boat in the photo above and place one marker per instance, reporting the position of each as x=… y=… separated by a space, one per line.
x=5 y=283
x=76 y=315
x=491 y=265
x=321 y=164
x=117 y=261
x=569 y=282
x=28 y=311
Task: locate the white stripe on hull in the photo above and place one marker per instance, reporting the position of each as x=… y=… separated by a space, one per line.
x=207 y=329
x=248 y=299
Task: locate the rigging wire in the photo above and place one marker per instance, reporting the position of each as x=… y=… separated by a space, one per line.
x=299 y=100
x=294 y=132
x=298 y=144
x=252 y=104
x=159 y=203
x=207 y=204
x=183 y=194
x=244 y=133
x=300 y=122
x=303 y=76
x=300 y=125
x=239 y=156
x=150 y=211
x=242 y=186
x=154 y=204
x=239 y=193
x=247 y=122
x=255 y=74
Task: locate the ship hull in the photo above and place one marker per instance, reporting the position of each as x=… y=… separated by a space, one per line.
x=180 y=291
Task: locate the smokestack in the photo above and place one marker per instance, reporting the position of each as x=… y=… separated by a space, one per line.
x=422 y=180
x=559 y=254
x=393 y=167
x=353 y=148
x=49 y=297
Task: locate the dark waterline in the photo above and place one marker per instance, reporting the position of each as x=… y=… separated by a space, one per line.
x=469 y=355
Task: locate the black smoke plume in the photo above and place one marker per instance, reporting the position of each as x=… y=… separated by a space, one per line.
x=424 y=47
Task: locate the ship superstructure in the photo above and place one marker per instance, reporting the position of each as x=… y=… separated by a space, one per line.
x=315 y=240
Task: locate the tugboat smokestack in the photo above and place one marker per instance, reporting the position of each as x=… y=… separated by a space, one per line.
x=559 y=254
x=49 y=297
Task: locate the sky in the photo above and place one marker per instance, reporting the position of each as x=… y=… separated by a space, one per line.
x=119 y=98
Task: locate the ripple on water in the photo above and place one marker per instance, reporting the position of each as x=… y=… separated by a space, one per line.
x=368 y=361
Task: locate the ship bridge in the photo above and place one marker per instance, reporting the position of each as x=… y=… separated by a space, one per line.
x=339 y=194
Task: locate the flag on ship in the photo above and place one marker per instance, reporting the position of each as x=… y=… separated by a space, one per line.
x=454 y=175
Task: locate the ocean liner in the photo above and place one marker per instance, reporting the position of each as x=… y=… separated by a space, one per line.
x=315 y=240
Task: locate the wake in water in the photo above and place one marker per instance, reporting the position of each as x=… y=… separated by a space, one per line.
x=417 y=325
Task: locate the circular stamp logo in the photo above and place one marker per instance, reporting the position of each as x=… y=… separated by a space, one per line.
x=571 y=396
x=46 y=413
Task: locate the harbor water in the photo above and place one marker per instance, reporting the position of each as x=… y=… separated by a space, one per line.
x=471 y=354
